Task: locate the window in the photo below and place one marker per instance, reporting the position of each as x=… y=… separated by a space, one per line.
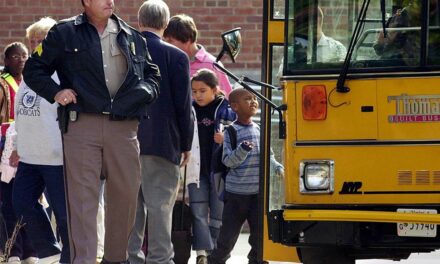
x=277 y=8
x=319 y=33
x=434 y=33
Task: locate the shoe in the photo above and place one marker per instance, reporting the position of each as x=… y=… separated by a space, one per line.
x=201 y=260
x=30 y=260
x=14 y=260
x=112 y=262
x=258 y=262
x=54 y=259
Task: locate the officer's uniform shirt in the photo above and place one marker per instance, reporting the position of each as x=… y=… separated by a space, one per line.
x=114 y=61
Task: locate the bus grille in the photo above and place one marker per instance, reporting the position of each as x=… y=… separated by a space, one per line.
x=422 y=177
x=436 y=177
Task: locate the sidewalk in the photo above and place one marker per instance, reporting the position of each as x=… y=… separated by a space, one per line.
x=239 y=254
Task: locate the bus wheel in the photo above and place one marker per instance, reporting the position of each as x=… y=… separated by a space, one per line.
x=325 y=255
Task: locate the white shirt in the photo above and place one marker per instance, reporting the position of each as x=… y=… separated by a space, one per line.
x=330 y=50
x=38 y=135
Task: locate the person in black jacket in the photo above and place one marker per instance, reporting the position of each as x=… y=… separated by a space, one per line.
x=165 y=138
x=107 y=80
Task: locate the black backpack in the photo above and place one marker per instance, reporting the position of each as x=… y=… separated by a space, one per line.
x=218 y=168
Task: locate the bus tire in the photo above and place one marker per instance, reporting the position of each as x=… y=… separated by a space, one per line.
x=332 y=255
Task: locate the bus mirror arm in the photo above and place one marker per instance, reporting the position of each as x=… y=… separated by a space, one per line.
x=247 y=79
x=243 y=81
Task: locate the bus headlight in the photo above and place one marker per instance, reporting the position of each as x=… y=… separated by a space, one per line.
x=316 y=176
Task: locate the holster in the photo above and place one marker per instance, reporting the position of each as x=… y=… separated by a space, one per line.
x=63 y=118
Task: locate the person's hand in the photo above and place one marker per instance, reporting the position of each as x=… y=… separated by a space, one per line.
x=279 y=171
x=247 y=145
x=185 y=158
x=219 y=137
x=13 y=159
x=65 y=97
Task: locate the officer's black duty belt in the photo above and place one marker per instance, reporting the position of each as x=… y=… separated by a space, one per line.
x=74 y=116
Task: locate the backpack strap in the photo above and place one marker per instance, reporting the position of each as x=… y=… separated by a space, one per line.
x=232 y=136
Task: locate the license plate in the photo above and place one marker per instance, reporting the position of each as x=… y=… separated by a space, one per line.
x=417 y=229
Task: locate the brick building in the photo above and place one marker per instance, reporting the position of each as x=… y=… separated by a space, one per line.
x=211 y=16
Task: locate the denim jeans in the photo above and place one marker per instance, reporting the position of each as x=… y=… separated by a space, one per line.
x=207 y=211
x=30 y=182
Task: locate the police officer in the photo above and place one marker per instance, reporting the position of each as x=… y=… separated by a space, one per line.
x=106 y=81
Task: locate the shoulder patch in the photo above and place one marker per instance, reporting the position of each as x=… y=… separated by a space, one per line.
x=39 y=50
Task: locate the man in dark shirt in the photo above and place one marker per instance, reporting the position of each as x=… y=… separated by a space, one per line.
x=106 y=81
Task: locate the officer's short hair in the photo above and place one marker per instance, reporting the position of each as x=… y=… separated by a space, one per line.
x=40 y=28
x=154 y=14
x=182 y=28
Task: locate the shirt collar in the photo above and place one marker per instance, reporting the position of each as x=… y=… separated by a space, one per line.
x=82 y=18
x=111 y=28
x=150 y=34
x=200 y=54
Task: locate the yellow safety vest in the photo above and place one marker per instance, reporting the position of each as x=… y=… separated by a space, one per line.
x=10 y=80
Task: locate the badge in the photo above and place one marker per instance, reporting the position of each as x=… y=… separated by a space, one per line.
x=133 y=48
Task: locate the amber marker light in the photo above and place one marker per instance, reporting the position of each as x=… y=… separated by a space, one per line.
x=314 y=102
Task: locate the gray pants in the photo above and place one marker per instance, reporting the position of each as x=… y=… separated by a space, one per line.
x=157 y=196
x=94 y=145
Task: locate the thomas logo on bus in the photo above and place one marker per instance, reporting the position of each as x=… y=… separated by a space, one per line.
x=415 y=108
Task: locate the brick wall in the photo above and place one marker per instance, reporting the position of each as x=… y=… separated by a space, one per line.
x=212 y=17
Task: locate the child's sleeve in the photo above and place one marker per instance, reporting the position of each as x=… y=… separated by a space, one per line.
x=233 y=158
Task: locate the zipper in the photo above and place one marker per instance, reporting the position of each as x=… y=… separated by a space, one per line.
x=216 y=109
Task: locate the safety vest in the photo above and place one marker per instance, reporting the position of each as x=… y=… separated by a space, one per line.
x=10 y=80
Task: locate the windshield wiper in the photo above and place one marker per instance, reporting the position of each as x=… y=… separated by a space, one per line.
x=340 y=86
x=384 y=22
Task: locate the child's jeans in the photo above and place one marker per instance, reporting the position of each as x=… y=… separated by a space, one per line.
x=30 y=182
x=238 y=208
x=207 y=211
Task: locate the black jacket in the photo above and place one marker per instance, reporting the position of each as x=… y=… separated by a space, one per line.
x=168 y=130
x=73 y=49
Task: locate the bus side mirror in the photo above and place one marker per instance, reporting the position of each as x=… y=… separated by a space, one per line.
x=231 y=44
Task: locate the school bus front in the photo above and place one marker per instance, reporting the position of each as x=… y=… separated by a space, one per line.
x=362 y=151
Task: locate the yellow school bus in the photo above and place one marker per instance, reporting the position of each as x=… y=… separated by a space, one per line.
x=360 y=129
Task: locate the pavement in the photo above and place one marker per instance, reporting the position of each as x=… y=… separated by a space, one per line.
x=238 y=256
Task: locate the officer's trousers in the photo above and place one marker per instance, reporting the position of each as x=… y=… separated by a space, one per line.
x=95 y=146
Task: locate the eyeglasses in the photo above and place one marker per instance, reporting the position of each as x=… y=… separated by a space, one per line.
x=17 y=57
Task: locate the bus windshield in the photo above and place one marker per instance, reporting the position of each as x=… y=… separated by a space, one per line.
x=319 y=33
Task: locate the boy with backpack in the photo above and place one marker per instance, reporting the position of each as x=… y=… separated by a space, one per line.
x=242 y=181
